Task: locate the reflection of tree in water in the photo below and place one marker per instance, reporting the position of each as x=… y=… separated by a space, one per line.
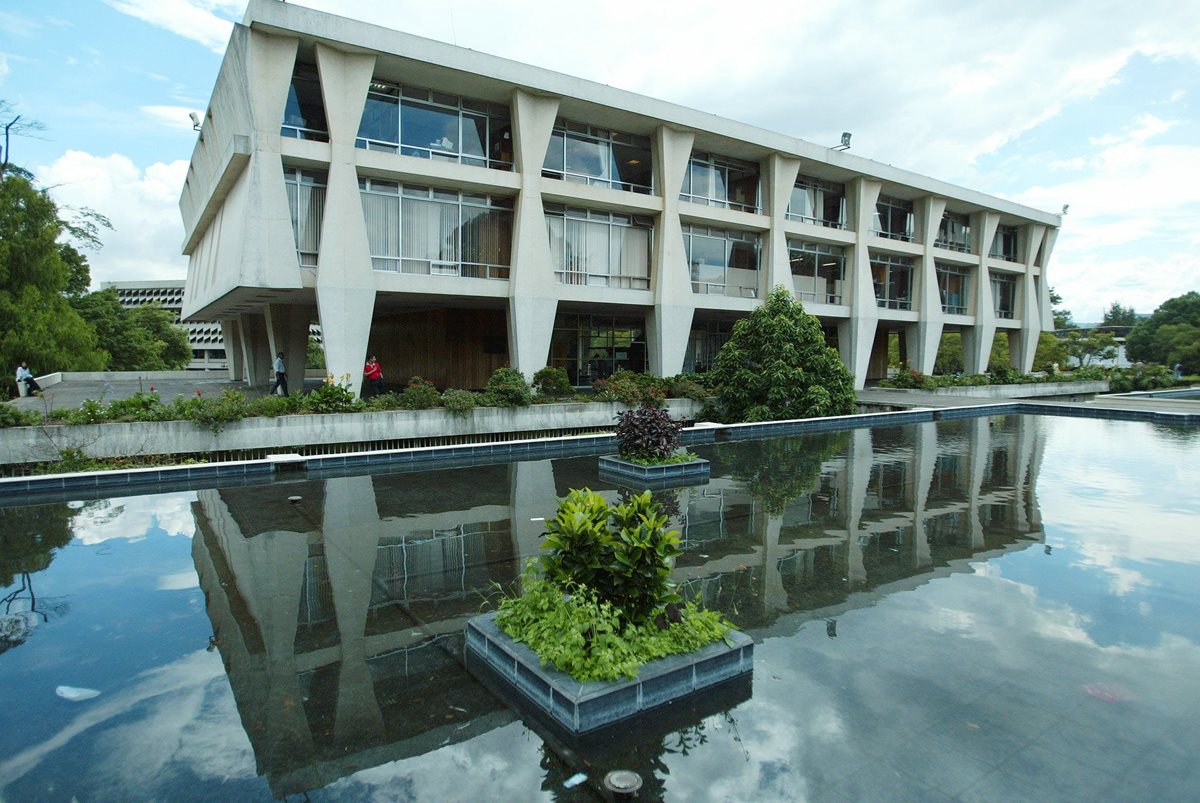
x=1176 y=433
x=777 y=471
x=29 y=537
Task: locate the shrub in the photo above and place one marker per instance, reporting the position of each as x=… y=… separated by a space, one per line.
x=631 y=389
x=1141 y=377
x=215 y=413
x=419 y=395
x=12 y=416
x=506 y=387
x=138 y=407
x=274 y=406
x=647 y=433
x=552 y=382
x=1006 y=375
x=622 y=552
x=687 y=386
x=909 y=379
x=777 y=364
x=459 y=402
x=384 y=401
x=331 y=397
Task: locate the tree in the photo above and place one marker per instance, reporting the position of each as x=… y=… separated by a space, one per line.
x=776 y=365
x=140 y=339
x=1062 y=316
x=1171 y=335
x=1051 y=352
x=36 y=322
x=1093 y=347
x=1118 y=315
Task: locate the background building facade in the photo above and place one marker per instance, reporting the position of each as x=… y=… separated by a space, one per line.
x=454 y=212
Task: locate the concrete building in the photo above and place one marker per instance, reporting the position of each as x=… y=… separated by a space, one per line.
x=454 y=212
x=205 y=338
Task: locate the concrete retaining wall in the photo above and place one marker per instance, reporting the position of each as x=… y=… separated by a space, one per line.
x=41 y=443
x=1039 y=390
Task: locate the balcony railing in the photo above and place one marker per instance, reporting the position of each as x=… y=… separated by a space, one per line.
x=817 y=221
x=893 y=235
x=572 y=277
x=895 y=303
x=421 y=267
x=950 y=245
x=722 y=289
x=296 y=132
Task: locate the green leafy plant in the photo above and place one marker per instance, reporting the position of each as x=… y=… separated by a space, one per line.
x=12 y=416
x=216 y=413
x=420 y=394
x=647 y=433
x=459 y=402
x=330 y=397
x=631 y=389
x=553 y=383
x=1141 y=377
x=506 y=387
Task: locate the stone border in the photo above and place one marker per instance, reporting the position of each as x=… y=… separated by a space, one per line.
x=619 y=471
x=583 y=707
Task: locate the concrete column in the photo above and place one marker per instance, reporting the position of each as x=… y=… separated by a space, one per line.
x=231 y=335
x=979 y=439
x=669 y=324
x=345 y=279
x=926 y=336
x=781 y=172
x=533 y=288
x=1031 y=318
x=774 y=595
x=977 y=340
x=351 y=530
x=531 y=497
x=1023 y=453
x=268 y=245
x=287 y=331
x=862 y=194
x=1048 y=241
x=256 y=349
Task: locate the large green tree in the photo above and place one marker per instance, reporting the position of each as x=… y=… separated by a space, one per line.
x=36 y=322
x=139 y=339
x=1119 y=315
x=776 y=366
x=1171 y=335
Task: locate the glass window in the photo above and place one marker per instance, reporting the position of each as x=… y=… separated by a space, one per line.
x=892 y=277
x=894 y=218
x=304 y=112
x=705 y=341
x=306 y=202
x=954 y=286
x=591 y=347
x=817 y=271
x=598 y=156
x=722 y=262
x=1004 y=295
x=421 y=230
x=434 y=125
x=820 y=202
x=954 y=232
x=1004 y=244
x=717 y=181
x=599 y=248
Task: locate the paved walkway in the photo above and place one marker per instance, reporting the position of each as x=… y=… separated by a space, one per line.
x=914 y=399
x=73 y=392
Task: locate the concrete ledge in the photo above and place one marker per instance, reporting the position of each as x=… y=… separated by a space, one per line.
x=639 y=477
x=1028 y=390
x=583 y=707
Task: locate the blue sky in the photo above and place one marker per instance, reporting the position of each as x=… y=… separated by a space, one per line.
x=1092 y=104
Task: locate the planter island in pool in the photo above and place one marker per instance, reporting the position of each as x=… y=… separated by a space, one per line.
x=582 y=707
x=655 y=478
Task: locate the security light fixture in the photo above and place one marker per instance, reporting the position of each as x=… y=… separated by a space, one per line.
x=845 y=142
x=1065 y=208
x=195 y=121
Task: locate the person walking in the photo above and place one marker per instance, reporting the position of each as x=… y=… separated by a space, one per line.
x=373 y=373
x=26 y=376
x=280 y=376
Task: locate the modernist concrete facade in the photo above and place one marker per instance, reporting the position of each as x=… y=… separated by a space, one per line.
x=453 y=212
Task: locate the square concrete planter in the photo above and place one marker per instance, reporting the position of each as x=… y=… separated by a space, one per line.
x=583 y=707
x=669 y=475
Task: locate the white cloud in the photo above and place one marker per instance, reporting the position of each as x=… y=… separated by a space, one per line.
x=131 y=518
x=197 y=20
x=142 y=204
x=3 y=65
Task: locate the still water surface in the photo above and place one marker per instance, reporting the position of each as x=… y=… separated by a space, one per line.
x=988 y=609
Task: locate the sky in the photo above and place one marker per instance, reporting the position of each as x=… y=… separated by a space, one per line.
x=1081 y=102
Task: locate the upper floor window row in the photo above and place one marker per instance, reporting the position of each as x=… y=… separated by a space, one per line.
x=718 y=181
x=894 y=218
x=599 y=156
x=435 y=125
x=820 y=202
x=1004 y=244
x=304 y=112
x=954 y=232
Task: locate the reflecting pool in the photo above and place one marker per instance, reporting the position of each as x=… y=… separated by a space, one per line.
x=980 y=609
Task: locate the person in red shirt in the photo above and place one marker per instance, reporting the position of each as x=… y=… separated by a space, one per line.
x=373 y=374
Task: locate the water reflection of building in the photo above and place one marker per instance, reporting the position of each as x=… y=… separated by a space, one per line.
x=339 y=615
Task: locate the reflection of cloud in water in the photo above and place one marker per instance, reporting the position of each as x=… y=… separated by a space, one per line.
x=132 y=517
x=176 y=717
x=179 y=581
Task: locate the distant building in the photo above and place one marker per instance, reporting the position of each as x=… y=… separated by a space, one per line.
x=208 y=346
x=453 y=212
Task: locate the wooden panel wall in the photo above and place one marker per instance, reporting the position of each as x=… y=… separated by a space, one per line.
x=447 y=347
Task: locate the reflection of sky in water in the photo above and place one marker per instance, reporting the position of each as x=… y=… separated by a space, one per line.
x=1068 y=675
